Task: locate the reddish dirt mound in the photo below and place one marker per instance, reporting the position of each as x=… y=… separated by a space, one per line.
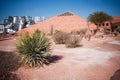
x=66 y=23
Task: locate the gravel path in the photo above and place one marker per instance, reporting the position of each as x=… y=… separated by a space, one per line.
x=87 y=56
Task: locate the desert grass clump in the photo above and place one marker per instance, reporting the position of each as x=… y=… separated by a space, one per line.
x=115 y=33
x=78 y=32
x=107 y=31
x=60 y=37
x=118 y=29
x=73 y=41
x=34 y=49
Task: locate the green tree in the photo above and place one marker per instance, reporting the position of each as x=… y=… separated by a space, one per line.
x=99 y=18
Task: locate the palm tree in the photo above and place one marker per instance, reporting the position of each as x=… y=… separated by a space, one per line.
x=99 y=18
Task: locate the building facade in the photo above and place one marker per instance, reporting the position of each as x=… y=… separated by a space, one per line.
x=15 y=23
x=113 y=25
x=1 y=28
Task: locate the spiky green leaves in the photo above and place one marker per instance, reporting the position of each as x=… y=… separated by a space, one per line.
x=34 y=49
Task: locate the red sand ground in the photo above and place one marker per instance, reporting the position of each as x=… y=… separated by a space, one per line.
x=97 y=59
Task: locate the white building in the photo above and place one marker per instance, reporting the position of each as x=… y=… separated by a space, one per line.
x=14 y=19
x=1 y=28
x=37 y=19
x=20 y=24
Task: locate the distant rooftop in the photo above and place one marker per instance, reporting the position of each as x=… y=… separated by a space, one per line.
x=116 y=19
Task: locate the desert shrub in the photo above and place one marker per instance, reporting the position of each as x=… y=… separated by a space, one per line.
x=60 y=37
x=73 y=32
x=34 y=49
x=107 y=31
x=76 y=32
x=115 y=33
x=118 y=29
x=73 y=41
x=83 y=31
x=79 y=32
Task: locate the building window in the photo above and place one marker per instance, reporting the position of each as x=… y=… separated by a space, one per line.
x=115 y=26
x=107 y=24
x=1 y=28
x=103 y=24
x=96 y=24
x=99 y=24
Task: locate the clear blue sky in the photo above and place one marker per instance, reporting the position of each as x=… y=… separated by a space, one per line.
x=49 y=8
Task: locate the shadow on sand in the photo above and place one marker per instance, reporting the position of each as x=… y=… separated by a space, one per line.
x=116 y=75
x=9 y=62
x=55 y=58
x=4 y=37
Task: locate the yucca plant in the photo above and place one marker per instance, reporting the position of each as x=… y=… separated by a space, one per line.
x=34 y=49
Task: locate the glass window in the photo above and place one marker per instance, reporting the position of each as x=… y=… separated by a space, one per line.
x=99 y=24
x=107 y=24
x=103 y=24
